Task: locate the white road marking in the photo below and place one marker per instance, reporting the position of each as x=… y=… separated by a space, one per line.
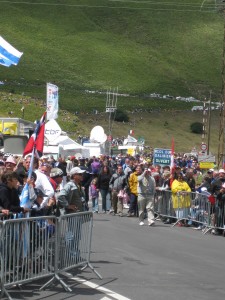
x=92 y=285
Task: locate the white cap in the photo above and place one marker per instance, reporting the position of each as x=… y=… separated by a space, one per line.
x=221 y=171
x=44 y=157
x=76 y=170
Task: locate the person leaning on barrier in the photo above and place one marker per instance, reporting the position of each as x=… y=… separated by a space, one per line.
x=9 y=199
x=221 y=207
x=217 y=218
x=164 y=198
x=71 y=197
x=37 y=210
x=181 y=197
x=42 y=183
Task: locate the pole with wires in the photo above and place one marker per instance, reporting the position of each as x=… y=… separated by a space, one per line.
x=111 y=106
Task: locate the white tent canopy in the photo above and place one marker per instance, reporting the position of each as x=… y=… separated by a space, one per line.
x=62 y=144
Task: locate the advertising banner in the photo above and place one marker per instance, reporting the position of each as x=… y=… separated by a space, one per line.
x=52 y=101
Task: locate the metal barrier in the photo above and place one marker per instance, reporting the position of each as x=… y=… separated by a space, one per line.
x=217 y=216
x=39 y=247
x=187 y=207
x=74 y=243
x=163 y=204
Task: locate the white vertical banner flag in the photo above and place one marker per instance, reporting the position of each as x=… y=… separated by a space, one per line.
x=52 y=101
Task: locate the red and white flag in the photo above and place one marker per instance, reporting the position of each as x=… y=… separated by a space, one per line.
x=36 y=141
x=131 y=132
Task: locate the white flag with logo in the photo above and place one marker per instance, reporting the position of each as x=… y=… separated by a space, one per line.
x=52 y=101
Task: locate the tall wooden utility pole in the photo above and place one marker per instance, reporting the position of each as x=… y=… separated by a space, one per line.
x=204 y=122
x=221 y=148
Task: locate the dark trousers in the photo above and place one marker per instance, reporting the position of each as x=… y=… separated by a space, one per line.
x=133 y=209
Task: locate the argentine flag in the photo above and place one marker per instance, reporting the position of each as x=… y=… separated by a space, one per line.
x=8 y=54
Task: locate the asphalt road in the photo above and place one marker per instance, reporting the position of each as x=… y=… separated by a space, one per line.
x=143 y=263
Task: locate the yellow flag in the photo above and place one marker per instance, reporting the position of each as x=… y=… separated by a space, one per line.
x=9 y=128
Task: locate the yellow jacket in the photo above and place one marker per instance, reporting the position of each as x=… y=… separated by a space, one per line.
x=133 y=183
x=180 y=200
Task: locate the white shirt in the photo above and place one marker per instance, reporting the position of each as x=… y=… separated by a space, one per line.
x=42 y=182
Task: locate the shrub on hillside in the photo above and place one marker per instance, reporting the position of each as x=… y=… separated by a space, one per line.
x=197 y=127
x=121 y=116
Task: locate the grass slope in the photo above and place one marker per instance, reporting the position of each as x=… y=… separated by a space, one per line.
x=156 y=126
x=140 y=47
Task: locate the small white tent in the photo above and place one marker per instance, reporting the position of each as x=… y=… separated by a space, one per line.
x=58 y=144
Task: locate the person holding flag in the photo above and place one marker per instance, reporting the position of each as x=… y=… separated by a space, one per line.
x=35 y=147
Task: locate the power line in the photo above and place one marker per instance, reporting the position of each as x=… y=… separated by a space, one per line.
x=196 y=8
x=166 y=3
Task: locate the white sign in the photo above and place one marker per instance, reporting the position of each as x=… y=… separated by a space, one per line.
x=206 y=158
x=52 y=101
x=110 y=109
x=203 y=147
x=52 y=130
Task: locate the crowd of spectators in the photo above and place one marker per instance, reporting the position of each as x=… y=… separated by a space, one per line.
x=132 y=182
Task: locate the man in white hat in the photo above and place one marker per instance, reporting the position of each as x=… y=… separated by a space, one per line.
x=71 y=198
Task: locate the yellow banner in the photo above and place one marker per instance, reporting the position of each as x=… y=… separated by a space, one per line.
x=130 y=151
x=8 y=128
x=206 y=165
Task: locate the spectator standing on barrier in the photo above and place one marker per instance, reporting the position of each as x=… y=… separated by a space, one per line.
x=103 y=185
x=94 y=195
x=181 y=198
x=71 y=197
x=117 y=183
x=146 y=192
x=133 y=186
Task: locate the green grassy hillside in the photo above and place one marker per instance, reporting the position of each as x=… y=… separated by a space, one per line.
x=157 y=126
x=137 y=46
x=141 y=47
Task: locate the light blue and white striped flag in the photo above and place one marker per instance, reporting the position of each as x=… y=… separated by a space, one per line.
x=8 y=54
